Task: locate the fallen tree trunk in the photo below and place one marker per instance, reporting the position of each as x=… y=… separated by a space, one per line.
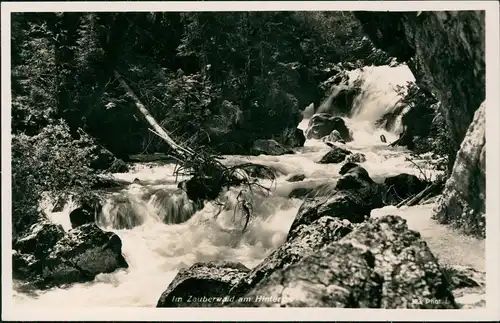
x=208 y=175
x=151 y=158
x=181 y=151
x=424 y=194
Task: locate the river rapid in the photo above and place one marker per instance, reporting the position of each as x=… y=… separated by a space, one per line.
x=155 y=251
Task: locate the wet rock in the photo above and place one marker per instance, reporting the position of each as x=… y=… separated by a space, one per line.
x=294 y=138
x=356 y=158
x=462 y=203
x=402 y=186
x=332 y=138
x=82 y=254
x=353 y=197
x=296 y=178
x=342 y=205
x=103 y=159
x=118 y=166
x=48 y=256
x=304 y=240
x=39 y=239
x=86 y=213
x=323 y=124
x=269 y=147
x=334 y=156
x=381 y=264
x=299 y=192
x=202 y=188
x=352 y=167
x=203 y=285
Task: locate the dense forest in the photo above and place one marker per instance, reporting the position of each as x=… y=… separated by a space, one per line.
x=213 y=80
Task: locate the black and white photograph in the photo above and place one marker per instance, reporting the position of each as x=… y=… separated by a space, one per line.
x=231 y=155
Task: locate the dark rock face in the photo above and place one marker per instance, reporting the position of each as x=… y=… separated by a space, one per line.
x=82 y=254
x=294 y=138
x=296 y=178
x=85 y=213
x=269 y=147
x=203 y=285
x=302 y=241
x=463 y=202
x=356 y=158
x=39 y=238
x=118 y=166
x=335 y=156
x=323 y=124
x=445 y=51
x=103 y=159
x=62 y=258
x=355 y=195
x=342 y=205
x=403 y=186
x=393 y=268
x=299 y=193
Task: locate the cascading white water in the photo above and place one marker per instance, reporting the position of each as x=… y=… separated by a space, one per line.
x=155 y=250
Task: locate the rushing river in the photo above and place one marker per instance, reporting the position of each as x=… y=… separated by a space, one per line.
x=156 y=251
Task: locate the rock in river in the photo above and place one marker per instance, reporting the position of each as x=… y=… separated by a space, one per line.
x=381 y=264
x=335 y=155
x=47 y=256
x=269 y=147
x=202 y=285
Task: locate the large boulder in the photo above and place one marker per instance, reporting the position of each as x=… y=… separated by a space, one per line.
x=462 y=203
x=47 y=256
x=82 y=254
x=302 y=241
x=203 y=285
x=437 y=44
x=322 y=124
x=355 y=194
x=381 y=264
x=269 y=147
x=356 y=158
x=39 y=239
x=334 y=156
x=86 y=213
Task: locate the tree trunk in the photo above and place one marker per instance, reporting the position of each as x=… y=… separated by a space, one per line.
x=181 y=151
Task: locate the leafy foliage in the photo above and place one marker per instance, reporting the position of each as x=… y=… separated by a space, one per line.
x=219 y=79
x=51 y=161
x=216 y=81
